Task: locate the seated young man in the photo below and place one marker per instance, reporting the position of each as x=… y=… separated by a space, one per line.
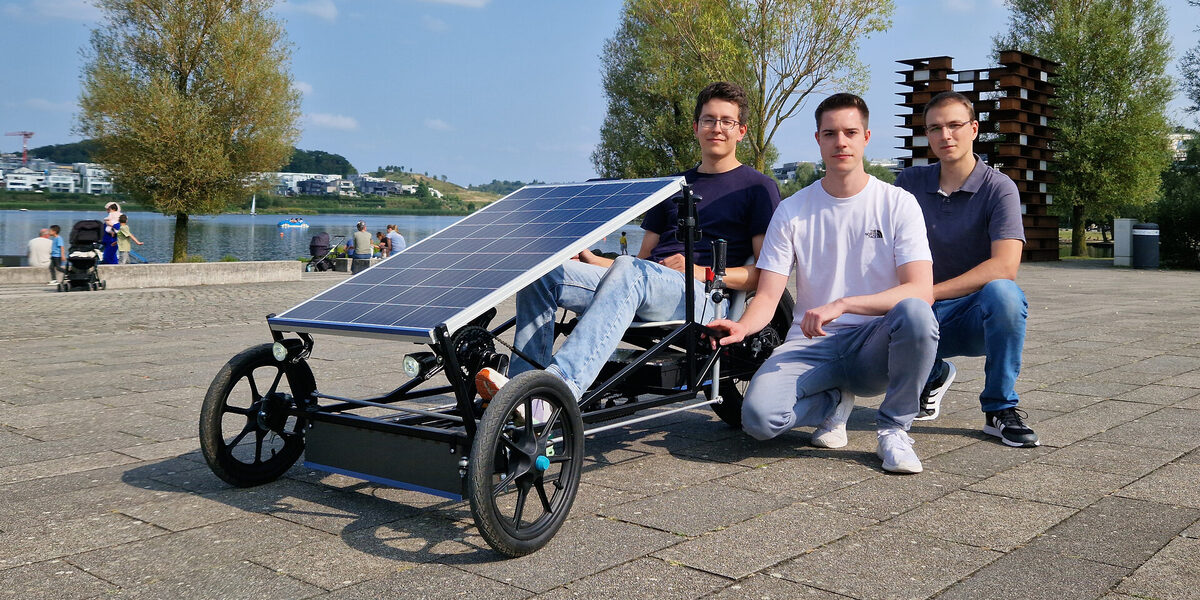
x=736 y=205
x=973 y=217
x=864 y=285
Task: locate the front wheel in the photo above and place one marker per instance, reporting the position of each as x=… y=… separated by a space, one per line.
x=245 y=434
x=523 y=473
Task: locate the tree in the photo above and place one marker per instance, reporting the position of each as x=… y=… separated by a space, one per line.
x=665 y=51
x=188 y=98
x=1112 y=88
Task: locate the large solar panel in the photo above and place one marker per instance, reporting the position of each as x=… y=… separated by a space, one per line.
x=462 y=271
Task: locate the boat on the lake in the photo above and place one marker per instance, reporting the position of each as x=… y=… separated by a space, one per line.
x=293 y=223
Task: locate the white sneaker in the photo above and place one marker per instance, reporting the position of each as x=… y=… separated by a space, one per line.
x=488 y=382
x=832 y=432
x=541 y=412
x=52 y=283
x=895 y=448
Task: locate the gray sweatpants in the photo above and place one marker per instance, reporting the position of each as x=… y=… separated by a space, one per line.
x=798 y=385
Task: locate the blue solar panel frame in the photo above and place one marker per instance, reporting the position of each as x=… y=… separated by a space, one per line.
x=458 y=273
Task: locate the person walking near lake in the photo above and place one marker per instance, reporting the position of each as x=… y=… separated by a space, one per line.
x=58 y=261
x=124 y=236
x=37 y=251
x=109 y=239
x=624 y=244
x=396 y=240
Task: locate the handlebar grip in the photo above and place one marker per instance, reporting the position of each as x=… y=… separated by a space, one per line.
x=719 y=247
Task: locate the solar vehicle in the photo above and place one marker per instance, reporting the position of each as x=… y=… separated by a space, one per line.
x=263 y=409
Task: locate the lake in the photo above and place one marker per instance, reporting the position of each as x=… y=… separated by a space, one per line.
x=245 y=236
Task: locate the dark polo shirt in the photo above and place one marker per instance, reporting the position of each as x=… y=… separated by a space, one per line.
x=962 y=226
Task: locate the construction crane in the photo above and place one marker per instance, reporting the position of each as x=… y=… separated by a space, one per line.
x=25 y=135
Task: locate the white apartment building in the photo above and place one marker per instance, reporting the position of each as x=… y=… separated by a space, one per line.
x=62 y=181
x=94 y=179
x=24 y=179
x=289 y=182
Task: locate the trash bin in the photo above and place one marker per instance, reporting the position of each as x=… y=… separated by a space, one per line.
x=1145 y=246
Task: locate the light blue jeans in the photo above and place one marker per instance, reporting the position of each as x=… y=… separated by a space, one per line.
x=801 y=383
x=989 y=323
x=607 y=301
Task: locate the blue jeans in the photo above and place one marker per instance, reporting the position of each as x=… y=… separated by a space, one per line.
x=800 y=384
x=607 y=301
x=989 y=323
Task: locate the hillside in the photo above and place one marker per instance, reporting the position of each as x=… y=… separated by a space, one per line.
x=445 y=187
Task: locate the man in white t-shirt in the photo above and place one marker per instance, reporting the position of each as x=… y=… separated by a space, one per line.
x=37 y=251
x=864 y=285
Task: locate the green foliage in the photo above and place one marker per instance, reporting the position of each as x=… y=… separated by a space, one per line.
x=1111 y=100
x=229 y=258
x=76 y=152
x=317 y=161
x=665 y=51
x=502 y=188
x=1178 y=213
x=884 y=174
x=188 y=98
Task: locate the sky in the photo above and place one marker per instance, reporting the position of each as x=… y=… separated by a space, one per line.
x=477 y=90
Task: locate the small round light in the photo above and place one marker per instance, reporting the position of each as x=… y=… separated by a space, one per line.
x=412 y=367
x=279 y=351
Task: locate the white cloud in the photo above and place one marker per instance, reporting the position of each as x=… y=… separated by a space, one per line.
x=328 y=121
x=466 y=3
x=48 y=106
x=303 y=87
x=434 y=25
x=323 y=9
x=438 y=125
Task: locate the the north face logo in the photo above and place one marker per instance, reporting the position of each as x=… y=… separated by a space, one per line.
x=875 y=233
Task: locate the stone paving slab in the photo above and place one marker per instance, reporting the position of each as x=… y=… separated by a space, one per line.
x=103 y=492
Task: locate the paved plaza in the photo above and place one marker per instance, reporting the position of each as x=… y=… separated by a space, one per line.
x=103 y=492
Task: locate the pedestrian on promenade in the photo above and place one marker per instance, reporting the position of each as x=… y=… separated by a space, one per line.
x=108 y=240
x=863 y=322
x=124 y=236
x=624 y=244
x=396 y=240
x=973 y=216
x=37 y=251
x=58 y=258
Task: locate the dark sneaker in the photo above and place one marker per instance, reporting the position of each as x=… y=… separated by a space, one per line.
x=931 y=396
x=1007 y=425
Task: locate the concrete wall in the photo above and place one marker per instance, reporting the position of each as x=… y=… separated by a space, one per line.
x=172 y=274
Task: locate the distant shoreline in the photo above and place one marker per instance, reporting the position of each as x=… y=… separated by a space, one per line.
x=273 y=211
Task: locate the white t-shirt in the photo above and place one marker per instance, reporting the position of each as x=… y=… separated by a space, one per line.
x=39 y=252
x=843 y=246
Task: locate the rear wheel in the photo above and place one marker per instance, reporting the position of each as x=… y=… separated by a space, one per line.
x=523 y=475
x=245 y=434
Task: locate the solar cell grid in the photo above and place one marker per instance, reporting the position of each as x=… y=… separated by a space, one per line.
x=465 y=269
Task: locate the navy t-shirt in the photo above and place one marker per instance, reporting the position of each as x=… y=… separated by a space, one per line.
x=963 y=225
x=734 y=206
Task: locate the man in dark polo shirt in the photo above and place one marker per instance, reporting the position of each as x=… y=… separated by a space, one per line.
x=973 y=219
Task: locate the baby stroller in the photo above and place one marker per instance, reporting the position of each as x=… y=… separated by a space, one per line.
x=321 y=251
x=82 y=272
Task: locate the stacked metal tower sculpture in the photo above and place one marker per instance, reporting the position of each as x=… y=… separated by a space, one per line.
x=1012 y=102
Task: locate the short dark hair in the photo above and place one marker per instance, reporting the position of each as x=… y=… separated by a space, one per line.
x=56 y=229
x=123 y=219
x=840 y=101
x=723 y=90
x=947 y=98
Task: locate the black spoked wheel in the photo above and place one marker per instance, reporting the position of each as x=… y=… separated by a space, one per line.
x=523 y=473
x=245 y=435
x=744 y=359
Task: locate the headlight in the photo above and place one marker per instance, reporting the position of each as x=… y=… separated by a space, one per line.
x=279 y=351
x=418 y=364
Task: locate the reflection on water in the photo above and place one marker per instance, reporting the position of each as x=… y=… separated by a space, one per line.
x=243 y=236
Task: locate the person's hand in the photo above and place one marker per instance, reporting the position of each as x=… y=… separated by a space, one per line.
x=816 y=318
x=675 y=262
x=586 y=257
x=139 y=243
x=733 y=331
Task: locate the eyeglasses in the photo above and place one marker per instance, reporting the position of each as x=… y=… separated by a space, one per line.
x=726 y=124
x=952 y=127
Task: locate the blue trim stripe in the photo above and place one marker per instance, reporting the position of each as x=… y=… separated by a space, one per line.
x=383 y=480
